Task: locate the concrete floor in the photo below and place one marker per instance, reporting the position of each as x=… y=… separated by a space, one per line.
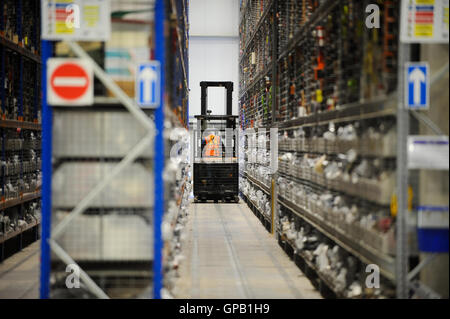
x=19 y=274
x=229 y=254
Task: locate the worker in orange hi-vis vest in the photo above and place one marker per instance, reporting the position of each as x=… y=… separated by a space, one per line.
x=212 y=145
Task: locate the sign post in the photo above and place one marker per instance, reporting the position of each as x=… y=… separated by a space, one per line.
x=417 y=86
x=69 y=82
x=148 y=84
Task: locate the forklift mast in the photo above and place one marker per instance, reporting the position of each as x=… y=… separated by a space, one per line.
x=227 y=85
x=216 y=173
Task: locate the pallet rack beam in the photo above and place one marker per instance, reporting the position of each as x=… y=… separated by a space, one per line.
x=18 y=231
x=345 y=113
x=26 y=197
x=20 y=50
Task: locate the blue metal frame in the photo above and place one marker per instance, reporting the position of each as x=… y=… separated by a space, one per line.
x=46 y=193
x=160 y=13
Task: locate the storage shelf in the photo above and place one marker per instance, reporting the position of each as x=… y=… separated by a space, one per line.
x=258 y=78
x=16 y=201
x=365 y=253
x=345 y=113
x=263 y=187
x=266 y=218
x=378 y=150
x=337 y=186
x=244 y=6
x=22 y=51
x=258 y=26
x=20 y=124
x=324 y=278
x=319 y=14
x=18 y=231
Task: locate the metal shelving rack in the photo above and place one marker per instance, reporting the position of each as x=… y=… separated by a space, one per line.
x=172 y=124
x=20 y=127
x=162 y=127
x=298 y=26
x=169 y=194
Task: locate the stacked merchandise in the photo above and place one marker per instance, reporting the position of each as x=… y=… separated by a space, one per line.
x=178 y=189
x=331 y=269
x=255 y=183
x=20 y=130
x=257 y=197
x=332 y=81
x=256 y=50
x=177 y=172
x=177 y=62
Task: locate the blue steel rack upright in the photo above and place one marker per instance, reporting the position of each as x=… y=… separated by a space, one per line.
x=160 y=14
x=46 y=211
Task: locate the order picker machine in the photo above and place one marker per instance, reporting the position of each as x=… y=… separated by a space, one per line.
x=216 y=167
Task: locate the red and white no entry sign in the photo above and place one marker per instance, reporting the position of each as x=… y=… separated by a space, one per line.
x=69 y=82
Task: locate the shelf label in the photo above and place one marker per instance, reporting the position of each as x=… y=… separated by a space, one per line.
x=435 y=217
x=428 y=152
x=79 y=20
x=417 y=85
x=424 y=21
x=148 y=81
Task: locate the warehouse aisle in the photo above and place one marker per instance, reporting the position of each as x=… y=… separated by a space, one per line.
x=229 y=254
x=19 y=274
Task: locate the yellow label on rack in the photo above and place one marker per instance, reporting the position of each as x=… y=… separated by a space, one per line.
x=394 y=205
x=425 y=2
x=410 y=198
x=25 y=39
x=425 y=30
x=61 y=27
x=446 y=19
x=91 y=15
x=319 y=97
x=394 y=208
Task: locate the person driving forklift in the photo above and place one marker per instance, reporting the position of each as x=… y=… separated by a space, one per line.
x=212 y=146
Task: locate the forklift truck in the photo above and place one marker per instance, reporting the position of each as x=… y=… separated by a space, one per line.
x=216 y=167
